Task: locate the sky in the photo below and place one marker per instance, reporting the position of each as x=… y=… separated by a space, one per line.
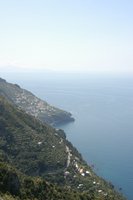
x=66 y=35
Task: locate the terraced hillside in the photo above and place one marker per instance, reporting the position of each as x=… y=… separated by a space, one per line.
x=40 y=151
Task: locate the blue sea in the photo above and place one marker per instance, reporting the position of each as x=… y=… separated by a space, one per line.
x=103 y=110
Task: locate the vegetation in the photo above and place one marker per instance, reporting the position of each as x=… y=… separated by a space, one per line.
x=14 y=185
x=34 y=155
x=32 y=105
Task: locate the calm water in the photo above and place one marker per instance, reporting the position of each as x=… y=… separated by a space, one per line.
x=103 y=130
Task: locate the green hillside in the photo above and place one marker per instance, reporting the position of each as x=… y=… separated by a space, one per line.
x=15 y=185
x=40 y=151
x=32 y=105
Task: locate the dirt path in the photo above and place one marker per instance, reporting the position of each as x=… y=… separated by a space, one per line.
x=69 y=156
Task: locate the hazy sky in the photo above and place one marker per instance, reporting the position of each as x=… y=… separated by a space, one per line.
x=93 y=35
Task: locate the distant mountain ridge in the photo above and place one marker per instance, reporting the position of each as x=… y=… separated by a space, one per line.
x=33 y=105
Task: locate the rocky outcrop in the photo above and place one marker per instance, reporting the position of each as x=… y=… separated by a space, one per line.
x=9 y=180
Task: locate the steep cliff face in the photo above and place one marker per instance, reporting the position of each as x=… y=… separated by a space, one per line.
x=32 y=105
x=38 y=150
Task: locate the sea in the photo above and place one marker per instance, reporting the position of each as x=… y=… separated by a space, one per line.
x=102 y=106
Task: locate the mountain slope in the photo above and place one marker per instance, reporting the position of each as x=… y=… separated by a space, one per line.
x=32 y=105
x=39 y=150
x=15 y=185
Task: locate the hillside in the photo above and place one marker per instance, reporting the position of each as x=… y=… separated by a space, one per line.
x=15 y=185
x=38 y=150
x=32 y=105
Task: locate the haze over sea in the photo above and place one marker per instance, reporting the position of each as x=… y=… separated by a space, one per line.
x=103 y=110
